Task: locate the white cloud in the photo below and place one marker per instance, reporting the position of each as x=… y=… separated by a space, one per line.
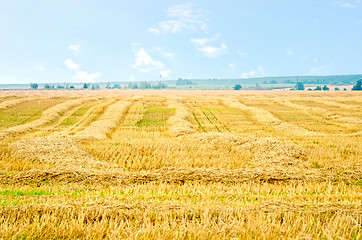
x=213 y=52
x=144 y=62
x=131 y=78
x=254 y=73
x=242 y=53
x=84 y=77
x=289 y=52
x=165 y=73
x=231 y=65
x=202 y=41
x=315 y=60
x=209 y=51
x=75 y=48
x=168 y=55
x=182 y=17
x=70 y=64
x=348 y=5
x=154 y=31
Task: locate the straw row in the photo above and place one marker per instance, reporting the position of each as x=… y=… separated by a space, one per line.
x=13 y=102
x=179 y=124
x=320 y=111
x=266 y=118
x=180 y=176
x=106 y=123
x=48 y=115
x=169 y=220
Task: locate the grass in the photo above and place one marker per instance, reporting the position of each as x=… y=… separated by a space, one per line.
x=185 y=166
x=155 y=117
x=71 y=120
x=25 y=112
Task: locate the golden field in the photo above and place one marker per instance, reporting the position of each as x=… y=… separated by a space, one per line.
x=180 y=165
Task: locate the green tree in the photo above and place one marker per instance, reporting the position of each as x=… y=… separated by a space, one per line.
x=116 y=86
x=95 y=87
x=299 y=86
x=336 y=89
x=159 y=85
x=145 y=85
x=318 y=88
x=34 y=85
x=132 y=86
x=357 y=86
x=325 y=88
x=85 y=86
x=237 y=87
x=182 y=82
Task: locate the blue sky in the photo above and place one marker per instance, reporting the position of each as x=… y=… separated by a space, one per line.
x=109 y=40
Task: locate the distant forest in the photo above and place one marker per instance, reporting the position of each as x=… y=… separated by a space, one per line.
x=278 y=82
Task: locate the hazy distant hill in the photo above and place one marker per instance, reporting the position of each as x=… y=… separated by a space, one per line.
x=337 y=79
x=334 y=79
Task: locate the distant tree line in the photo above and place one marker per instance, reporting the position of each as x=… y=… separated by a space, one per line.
x=183 y=82
x=147 y=85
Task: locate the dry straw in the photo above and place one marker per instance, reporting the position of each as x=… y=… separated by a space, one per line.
x=13 y=102
x=180 y=176
x=179 y=124
x=320 y=111
x=266 y=118
x=106 y=123
x=47 y=116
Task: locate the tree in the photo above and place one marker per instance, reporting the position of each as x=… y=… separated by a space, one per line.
x=145 y=85
x=237 y=87
x=182 y=82
x=71 y=87
x=34 y=85
x=132 y=86
x=336 y=89
x=108 y=86
x=357 y=86
x=325 y=88
x=95 y=87
x=159 y=85
x=318 y=88
x=85 y=86
x=116 y=86
x=299 y=86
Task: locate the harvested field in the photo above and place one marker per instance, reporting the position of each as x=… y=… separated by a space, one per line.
x=180 y=165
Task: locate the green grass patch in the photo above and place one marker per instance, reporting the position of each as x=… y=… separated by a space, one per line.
x=26 y=112
x=16 y=193
x=75 y=116
x=155 y=117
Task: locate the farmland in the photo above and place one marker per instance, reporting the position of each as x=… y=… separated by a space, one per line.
x=180 y=164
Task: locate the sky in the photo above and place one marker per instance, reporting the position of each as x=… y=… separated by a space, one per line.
x=74 y=41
